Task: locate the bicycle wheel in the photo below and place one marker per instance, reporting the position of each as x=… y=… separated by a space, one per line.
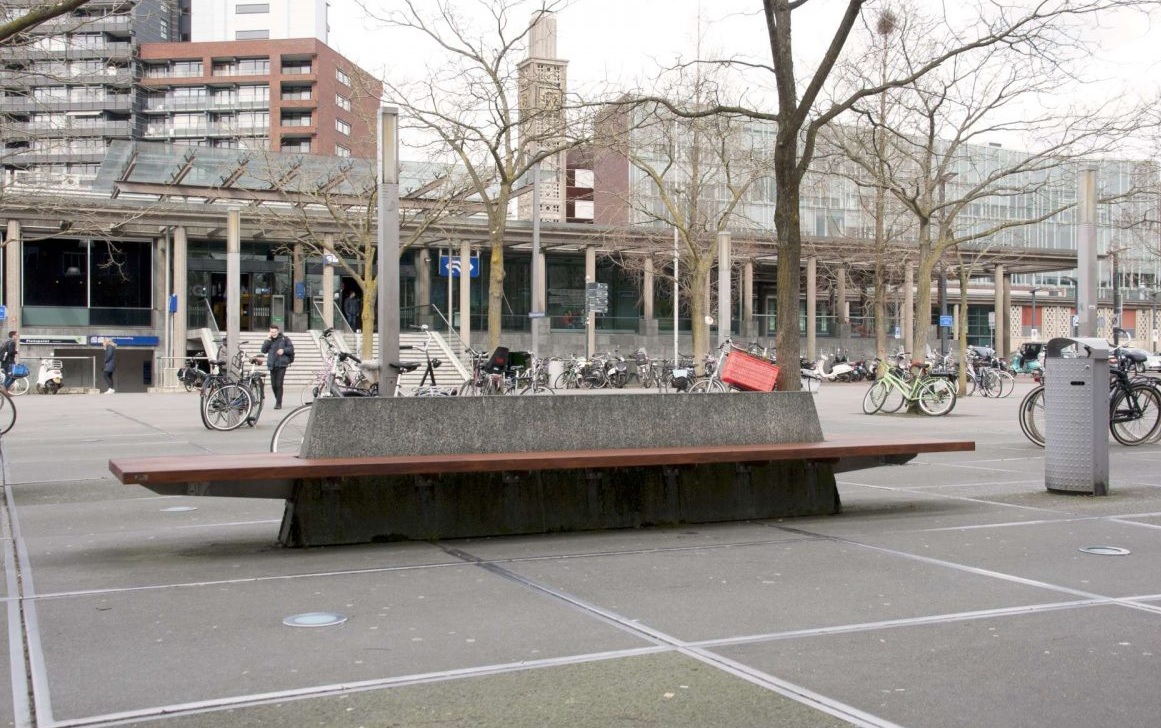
x=1032 y=421
x=990 y=384
x=875 y=397
x=536 y=388
x=1007 y=384
x=936 y=397
x=289 y=433
x=7 y=413
x=228 y=407
x=895 y=398
x=19 y=387
x=309 y=392
x=257 y=389
x=1136 y=415
x=811 y=384
x=707 y=386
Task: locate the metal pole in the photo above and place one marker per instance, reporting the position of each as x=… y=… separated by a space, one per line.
x=535 y=307
x=1086 y=256
x=942 y=309
x=1034 y=292
x=676 y=293
x=725 y=326
x=387 y=273
x=1118 y=303
x=233 y=284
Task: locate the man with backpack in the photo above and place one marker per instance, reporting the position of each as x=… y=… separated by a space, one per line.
x=279 y=351
x=8 y=359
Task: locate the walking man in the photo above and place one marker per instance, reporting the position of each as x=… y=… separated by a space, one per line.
x=279 y=352
x=8 y=359
x=110 y=363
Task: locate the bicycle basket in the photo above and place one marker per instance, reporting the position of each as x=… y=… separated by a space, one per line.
x=20 y=370
x=749 y=372
x=498 y=362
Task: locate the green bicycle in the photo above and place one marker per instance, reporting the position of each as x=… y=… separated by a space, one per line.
x=935 y=396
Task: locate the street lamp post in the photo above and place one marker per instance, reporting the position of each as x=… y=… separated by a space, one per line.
x=1034 y=292
x=1076 y=303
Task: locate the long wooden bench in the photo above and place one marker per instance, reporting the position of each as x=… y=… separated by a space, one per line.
x=358 y=497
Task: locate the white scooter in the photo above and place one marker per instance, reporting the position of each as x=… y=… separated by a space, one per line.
x=839 y=371
x=49 y=378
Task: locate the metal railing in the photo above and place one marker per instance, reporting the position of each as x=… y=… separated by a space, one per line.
x=76 y=372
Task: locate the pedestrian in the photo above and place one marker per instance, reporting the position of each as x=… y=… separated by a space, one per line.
x=8 y=359
x=110 y=363
x=279 y=351
x=352 y=308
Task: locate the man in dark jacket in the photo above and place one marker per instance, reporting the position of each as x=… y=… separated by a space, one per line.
x=279 y=352
x=8 y=358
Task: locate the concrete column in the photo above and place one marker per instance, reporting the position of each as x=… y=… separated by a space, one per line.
x=998 y=309
x=909 y=311
x=842 y=319
x=328 y=286
x=180 y=259
x=298 y=276
x=748 y=330
x=1087 y=267
x=13 y=247
x=466 y=294
x=647 y=290
x=542 y=289
x=790 y=318
x=1007 y=311
x=423 y=287
x=233 y=283
x=725 y=325
x=590 y=317
x=954 y=327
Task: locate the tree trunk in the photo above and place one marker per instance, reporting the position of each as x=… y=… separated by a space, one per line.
x=370 y=303
x=699 y=329
x=495 y=293
x=787 y=341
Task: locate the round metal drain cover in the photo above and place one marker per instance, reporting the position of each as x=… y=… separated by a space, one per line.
x=178 y=509
x=1105 y=550
x=314 y=619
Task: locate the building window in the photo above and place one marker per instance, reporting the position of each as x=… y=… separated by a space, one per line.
x=301 y=146
x=186 y=69
x=87 y=283
x=296 y=119
x=341 y=151
x=342 y=76
x=251 y=35
x=254 y=66
x=295 y=68
x=343 y=127
x=342 y=102
x=300 y=93
x=252 y=8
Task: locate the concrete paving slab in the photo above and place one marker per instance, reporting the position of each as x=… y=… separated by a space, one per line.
x=1075 y=668
x=759 y=589
x=1047 y=552
x=668 y=689
x=156 y=647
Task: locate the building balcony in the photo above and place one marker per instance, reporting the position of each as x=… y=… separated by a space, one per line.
x=108 y=51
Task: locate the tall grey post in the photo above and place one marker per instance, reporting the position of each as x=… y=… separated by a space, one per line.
x=1086 y=255
x=909 y=312
x=328 y=286
x=747 y=327
x=465 y=279
x=811 y=308
x=537 y=312
x=13 y=246
x=181 y=288
x=725 y=327
x=233 y=284
x=387 y=273
x=590 y=316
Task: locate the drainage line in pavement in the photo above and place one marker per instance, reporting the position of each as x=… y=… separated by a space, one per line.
x=763 y=680
x=26 y=660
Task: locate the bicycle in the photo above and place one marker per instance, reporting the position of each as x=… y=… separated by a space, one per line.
x=7 y=412
x=1134 y=408
x=934 y=396
x=225 y=402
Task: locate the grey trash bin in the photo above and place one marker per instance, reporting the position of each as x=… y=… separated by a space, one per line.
x=1076 y=414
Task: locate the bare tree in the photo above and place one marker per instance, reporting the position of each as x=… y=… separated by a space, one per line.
x=467 y=110
x=803 y=111
x=35 y=16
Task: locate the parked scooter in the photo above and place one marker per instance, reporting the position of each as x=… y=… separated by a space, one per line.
x=839 y=371
x=48 y=379
x=190 y=376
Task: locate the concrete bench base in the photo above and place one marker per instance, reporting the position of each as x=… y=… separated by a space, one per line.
x=334 y=511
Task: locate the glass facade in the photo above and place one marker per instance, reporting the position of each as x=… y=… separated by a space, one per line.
x=87 y=283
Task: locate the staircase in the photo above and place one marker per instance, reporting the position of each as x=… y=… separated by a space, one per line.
x=308 y=359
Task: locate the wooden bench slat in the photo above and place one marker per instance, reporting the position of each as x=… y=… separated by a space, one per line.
x=271 y=466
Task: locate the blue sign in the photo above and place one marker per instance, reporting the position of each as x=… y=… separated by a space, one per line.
x=173 y=303
x=453 y=266
x=945 y=321
x=3 y=312
x=300 y=290
x=126 y=340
